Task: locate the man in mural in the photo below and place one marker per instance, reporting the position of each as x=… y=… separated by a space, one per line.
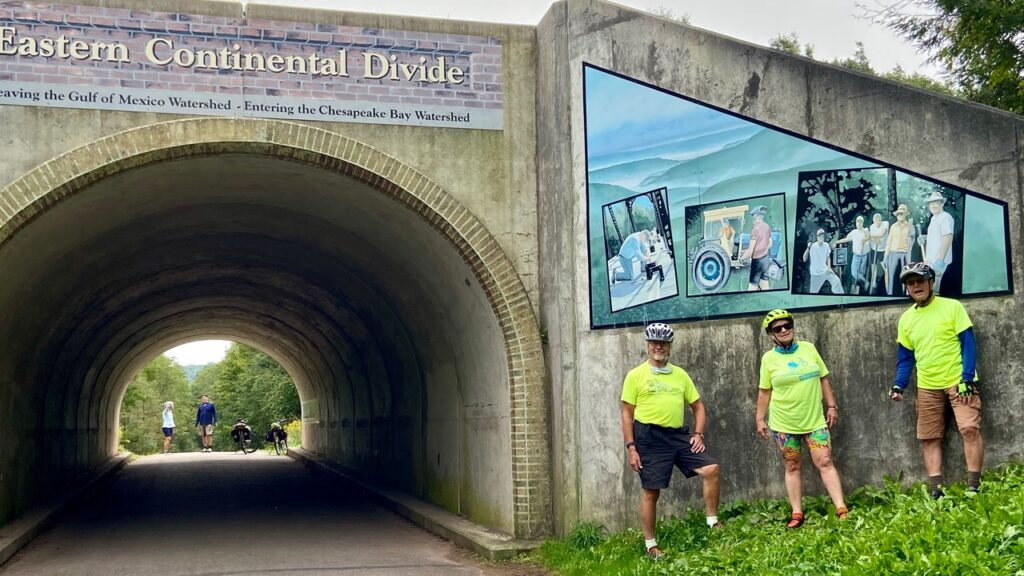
x=635 y=250
x=936 y=337
x=654 y=395
x=757 y=252
x=820 y=254
x=897 y=248
x=858 y=241
x=879 y=231
x=937 y=246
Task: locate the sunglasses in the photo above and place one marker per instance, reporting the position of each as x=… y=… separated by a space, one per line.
x=784 y=327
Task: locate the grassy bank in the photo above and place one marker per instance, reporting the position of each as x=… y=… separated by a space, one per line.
x=891 y=530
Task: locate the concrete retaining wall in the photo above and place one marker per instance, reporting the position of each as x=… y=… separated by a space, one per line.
x=965 y=144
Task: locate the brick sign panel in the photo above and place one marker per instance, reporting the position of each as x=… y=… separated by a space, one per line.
x=139 y=60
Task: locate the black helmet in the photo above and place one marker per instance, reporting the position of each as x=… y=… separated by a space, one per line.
x=917 y=269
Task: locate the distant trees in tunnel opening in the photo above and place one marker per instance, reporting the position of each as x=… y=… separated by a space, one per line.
x=245 y=384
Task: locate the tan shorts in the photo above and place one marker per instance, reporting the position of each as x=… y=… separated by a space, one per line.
x=931 y=412
x=206 y=430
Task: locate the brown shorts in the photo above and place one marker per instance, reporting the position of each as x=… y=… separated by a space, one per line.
x=931 y=412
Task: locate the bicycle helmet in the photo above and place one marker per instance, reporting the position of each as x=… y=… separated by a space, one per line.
x=777 y=314
x=659 y=332
x=917 y=269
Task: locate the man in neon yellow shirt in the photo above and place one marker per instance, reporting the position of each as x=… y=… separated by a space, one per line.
x=653 y=398
x=936 y=336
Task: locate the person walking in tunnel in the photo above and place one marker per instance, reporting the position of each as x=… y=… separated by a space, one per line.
x=654 y=395
x=793 y=381
x=168 y=425
x=936 y=337
x=206 y=417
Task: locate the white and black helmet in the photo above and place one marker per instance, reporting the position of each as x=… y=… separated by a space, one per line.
x=658 y=332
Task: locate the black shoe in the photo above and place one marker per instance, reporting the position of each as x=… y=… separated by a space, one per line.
x=937 y=493
x=974 y=489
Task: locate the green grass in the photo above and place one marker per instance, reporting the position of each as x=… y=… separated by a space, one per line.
x=891 y=530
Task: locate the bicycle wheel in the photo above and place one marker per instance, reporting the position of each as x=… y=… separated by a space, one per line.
x=248 y=447
x=241 y=443
x=282 y=446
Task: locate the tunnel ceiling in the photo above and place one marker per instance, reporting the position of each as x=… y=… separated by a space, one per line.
x=325 y=274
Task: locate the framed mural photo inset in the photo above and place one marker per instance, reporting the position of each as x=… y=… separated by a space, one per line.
x=639 y=250
x=736 y=246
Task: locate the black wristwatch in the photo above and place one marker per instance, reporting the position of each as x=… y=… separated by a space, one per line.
x=630 y=445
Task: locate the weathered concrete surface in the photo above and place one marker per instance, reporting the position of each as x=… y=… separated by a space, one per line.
x=968 y=145
x=231 y=514
x=390 y=269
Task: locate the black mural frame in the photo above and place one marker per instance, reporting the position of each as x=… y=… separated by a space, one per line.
x=894 y=301
x=667 y=233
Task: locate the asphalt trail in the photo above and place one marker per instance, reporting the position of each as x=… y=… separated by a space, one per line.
x=222 y=514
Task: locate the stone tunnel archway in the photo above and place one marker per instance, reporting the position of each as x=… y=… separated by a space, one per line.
x=407 y=328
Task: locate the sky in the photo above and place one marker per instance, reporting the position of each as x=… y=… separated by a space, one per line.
x=831 y=26
x=198 y=353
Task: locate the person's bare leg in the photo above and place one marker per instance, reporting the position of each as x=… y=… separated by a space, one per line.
x=709 y=474
x=167 y=443
x=794 y=486
x=932 y=456
x=822 y=458
x=974 y=449
x=649 y=512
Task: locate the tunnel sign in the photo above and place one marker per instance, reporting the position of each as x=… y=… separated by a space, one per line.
x=141 y=60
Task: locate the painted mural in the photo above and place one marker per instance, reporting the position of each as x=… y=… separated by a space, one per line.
x=695 y=212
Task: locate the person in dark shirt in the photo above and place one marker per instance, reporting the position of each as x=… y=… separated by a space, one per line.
x=206 y=417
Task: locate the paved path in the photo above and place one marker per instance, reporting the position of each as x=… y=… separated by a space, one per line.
x=226 y=514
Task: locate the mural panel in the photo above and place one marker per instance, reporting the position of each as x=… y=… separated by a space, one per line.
x=764 y=218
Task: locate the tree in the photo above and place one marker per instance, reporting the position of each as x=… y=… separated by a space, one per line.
x=980 y=43
x=919 y=80
x=662 y=11
x=859 y=61
x=791 y=45
x=142 y=408
x=250 y=385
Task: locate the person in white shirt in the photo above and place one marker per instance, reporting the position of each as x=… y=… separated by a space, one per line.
x=168 y=426
x=858 y=240
x=879 y=231
x=821 y=265
x=937 y=245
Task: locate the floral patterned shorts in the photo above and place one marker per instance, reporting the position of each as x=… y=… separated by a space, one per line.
x=790 y=443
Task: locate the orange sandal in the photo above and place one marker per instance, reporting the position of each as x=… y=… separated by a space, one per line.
x=655 y=553
x=796 y=520
x=842 y=512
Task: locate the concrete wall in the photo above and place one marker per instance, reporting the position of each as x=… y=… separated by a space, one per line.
x=972 y=146
x=410 y=351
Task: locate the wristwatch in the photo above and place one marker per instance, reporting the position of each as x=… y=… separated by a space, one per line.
x=630 y=445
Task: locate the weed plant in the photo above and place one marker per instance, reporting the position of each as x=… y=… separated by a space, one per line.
x=890 y=530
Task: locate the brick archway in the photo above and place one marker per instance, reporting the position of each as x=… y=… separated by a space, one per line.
x=63 y=176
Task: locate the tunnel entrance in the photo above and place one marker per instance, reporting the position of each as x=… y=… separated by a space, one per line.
x=250 y=400
x=411 y=341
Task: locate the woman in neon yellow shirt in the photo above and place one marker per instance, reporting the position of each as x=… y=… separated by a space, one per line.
x=793 y=381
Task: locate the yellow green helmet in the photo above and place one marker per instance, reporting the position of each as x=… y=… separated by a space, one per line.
x=777 y=314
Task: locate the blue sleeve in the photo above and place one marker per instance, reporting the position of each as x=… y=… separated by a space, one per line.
x=213 y=412
x=967 y=354
x=904 y=365
x=197 y=415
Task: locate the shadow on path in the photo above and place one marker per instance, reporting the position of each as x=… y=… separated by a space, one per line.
x=221 y=514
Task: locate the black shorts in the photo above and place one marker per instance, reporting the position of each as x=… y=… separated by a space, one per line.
x=662 y=448
x=759 y=269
